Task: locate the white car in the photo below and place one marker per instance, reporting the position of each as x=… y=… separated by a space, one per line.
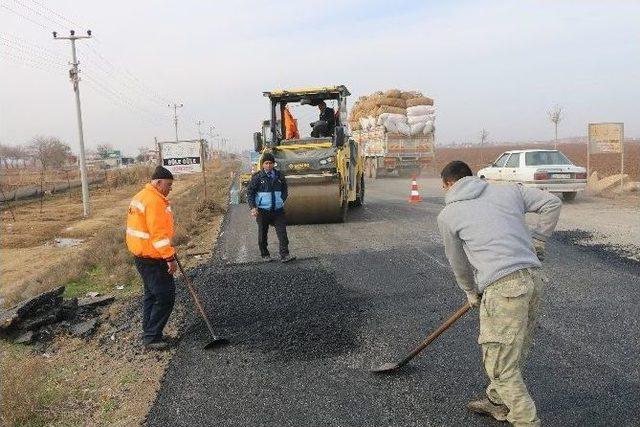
x=548 y=170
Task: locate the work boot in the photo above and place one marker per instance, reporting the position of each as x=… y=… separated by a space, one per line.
x=287 y=258
x=487 y=407
x=157 y=346
x=266 y=258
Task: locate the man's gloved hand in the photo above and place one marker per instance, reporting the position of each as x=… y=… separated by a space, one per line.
x=473 y=297
x=538 y=245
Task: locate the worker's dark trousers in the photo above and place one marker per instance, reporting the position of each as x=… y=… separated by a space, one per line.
x=159 y=297
x=320 y=130
x=266 y=218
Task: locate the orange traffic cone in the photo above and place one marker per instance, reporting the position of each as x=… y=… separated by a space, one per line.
x=415 y=196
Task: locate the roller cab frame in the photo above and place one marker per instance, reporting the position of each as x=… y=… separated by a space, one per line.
x=325 y=175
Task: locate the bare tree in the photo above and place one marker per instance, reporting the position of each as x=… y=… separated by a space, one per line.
x=556 y=116
x=5 y=154
x=484 y=134
x=49 y=151
x=13 y=155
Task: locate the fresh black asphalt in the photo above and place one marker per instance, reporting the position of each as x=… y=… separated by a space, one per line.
x=305 y=334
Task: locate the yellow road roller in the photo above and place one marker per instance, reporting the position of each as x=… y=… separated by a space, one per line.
x=322 y=164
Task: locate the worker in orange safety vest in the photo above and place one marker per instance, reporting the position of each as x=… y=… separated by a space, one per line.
x=149 y=233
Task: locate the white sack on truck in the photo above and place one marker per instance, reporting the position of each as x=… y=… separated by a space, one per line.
x=428 y=128
x=420 y=119
x=390 y=126
x=421 y=110
x=404 y=128
x=382 y=118
x=417 y=128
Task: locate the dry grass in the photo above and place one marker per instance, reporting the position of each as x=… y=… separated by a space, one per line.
x=23 y=390
x=79 y=383
x=28 y=237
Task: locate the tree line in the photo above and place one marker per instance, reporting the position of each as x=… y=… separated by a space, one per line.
x=46 y=152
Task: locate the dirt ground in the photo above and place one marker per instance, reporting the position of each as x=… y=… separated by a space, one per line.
x=30 y=236
x=108 y=379
x=613 y=221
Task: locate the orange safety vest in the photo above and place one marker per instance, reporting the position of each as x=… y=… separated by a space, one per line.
x=150 y=225
x=290 y=125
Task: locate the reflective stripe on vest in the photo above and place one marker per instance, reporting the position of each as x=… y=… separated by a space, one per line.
x=161 y=243
x=138 y=233
x=138 y=205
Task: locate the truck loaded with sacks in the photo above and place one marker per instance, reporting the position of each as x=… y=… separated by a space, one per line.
x=395 y=131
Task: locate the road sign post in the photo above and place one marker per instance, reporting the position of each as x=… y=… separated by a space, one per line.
x=184 y=157
x=606 y=138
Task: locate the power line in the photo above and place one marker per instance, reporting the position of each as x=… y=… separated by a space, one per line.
x=116 y=76
x=143 y=89
x=27 y=18
x=27 y=50
x=12 y=38
x=124 y=72
x=122 y=99
x=118 y=101
x=58 y=15
x=38 y=13
x=29 y=62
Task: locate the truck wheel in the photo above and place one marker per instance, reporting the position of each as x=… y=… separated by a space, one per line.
x=568 y=196
x=359 y=201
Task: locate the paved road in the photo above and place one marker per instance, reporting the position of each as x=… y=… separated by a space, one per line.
x=305 y=334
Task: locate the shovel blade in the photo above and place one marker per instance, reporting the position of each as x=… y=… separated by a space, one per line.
x=215 y=343
x=386 y=368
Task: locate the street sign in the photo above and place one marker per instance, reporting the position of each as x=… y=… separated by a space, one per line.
x=606 y=137
x=181 y=157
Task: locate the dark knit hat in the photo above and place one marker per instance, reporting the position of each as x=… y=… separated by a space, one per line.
x=267 y=156
x=161 y=173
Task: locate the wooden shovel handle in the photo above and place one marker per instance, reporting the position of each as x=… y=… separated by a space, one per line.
x=195 y=296
x=435 y=334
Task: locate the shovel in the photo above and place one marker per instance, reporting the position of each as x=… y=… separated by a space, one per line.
x=216 y=341
x=392 y=367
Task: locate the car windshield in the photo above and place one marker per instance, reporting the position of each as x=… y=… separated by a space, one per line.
x=534 y=158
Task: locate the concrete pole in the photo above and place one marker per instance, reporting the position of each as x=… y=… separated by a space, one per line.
x=75 y=80
x=175 y=116
x=83 y=162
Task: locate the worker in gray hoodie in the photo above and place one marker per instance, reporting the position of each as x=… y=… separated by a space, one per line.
x=495 y=258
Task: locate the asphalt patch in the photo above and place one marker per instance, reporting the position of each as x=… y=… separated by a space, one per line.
x=293 y=311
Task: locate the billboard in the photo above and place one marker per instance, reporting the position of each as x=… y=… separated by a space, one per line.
x=605 y=137
x=181 y=157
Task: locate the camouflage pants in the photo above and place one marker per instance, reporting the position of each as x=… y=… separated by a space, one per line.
x=508 y=317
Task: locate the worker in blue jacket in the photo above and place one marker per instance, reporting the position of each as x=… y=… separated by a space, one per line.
x=266 y=195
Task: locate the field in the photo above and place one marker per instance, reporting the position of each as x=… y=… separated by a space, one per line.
x=604 y=164
x=72 y=381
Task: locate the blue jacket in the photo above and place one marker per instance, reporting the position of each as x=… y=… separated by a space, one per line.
x=266 y=193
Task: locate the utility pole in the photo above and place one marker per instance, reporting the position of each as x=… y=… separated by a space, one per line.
x=75 y=80
x=175 y=116
x=199 y=123
x=212 y=135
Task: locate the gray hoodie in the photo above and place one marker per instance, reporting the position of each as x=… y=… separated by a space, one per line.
x=484 y=231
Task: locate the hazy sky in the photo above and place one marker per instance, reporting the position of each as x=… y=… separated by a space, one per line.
x=494 y=64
